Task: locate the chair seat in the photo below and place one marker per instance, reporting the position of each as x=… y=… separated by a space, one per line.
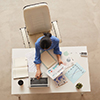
x=33 y=38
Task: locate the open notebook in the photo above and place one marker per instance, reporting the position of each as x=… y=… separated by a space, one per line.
x=47 y=59
x=20 y=62
x=20 y=73
x=20 y=69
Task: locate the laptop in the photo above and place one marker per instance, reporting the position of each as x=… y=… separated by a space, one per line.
x=35 y=83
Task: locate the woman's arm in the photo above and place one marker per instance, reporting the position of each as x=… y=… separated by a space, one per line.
x=37 y=61
x=56 y=48
x=57 y=51
x=38 y=73
x=37 y=54
x=59 y=59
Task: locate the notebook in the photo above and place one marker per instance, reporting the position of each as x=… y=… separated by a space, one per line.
x=47 y=59
x=20 y=72
x=20 y=69
x=20 y=62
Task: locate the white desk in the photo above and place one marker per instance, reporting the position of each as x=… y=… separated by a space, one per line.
x=68 y=87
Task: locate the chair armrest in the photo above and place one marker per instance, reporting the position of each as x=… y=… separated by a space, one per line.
x=56 y=30
x=25 y=37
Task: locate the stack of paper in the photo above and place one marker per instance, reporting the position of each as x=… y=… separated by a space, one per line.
x=20 y=69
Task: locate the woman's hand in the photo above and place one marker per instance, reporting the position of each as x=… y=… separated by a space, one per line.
x=38 y=74
x=60 y=61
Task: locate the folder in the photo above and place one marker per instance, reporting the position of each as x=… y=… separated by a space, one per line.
x=47 y=59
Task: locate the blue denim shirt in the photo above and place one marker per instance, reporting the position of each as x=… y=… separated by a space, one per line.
x=54 y=45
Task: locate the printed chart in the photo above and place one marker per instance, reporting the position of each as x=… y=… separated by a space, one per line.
x=75 y=72
x=60 y=80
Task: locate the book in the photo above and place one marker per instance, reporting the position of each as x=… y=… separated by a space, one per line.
x=47 y=59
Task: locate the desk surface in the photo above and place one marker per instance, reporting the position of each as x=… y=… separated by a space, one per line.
x=68 y=87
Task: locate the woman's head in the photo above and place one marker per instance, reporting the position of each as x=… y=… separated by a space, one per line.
x=45 y=42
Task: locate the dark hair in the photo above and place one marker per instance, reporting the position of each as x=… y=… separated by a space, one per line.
x=45 y=42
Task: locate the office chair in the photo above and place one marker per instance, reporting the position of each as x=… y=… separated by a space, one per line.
x=37 y=21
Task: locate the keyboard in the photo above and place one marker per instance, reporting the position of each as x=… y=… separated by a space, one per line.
x=42 y=82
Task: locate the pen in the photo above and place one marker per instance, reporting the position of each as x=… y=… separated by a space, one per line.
x=40 y=75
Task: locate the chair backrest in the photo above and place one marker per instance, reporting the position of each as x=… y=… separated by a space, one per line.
x=37 y=18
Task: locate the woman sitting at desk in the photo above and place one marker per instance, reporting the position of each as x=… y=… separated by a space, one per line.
x=43 y=43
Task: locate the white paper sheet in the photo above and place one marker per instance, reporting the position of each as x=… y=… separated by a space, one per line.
x=30 y=58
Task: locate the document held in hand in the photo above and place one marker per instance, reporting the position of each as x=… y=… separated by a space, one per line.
x=55 y=70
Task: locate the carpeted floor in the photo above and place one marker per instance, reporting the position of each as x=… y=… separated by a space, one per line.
x=79 y=23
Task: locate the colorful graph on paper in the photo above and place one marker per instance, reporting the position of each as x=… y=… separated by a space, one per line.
x=75 y=72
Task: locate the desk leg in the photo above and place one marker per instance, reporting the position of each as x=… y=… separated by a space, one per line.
x=19 y=97
x=81 y=93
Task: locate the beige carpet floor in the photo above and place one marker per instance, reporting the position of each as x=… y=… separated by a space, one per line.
x=79 y=23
